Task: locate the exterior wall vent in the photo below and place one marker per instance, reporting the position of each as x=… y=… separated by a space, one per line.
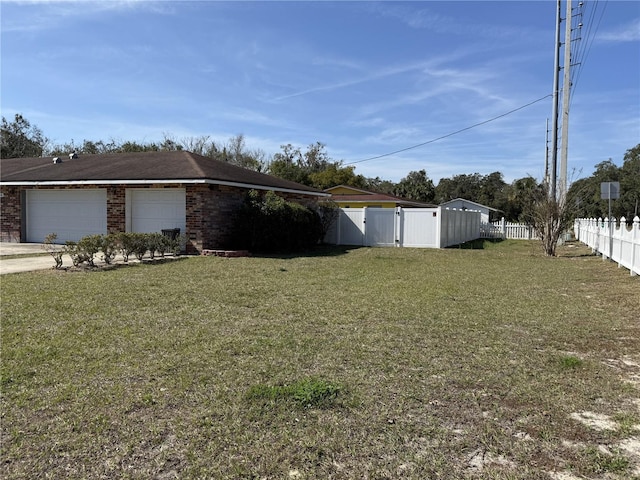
x=57 y=160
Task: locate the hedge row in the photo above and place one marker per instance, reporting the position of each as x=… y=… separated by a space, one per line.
x=125 y=243
x=269 y=223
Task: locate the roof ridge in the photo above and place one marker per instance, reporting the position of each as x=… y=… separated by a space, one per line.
x=194 y=163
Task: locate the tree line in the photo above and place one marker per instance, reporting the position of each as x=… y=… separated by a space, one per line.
x=314 y=167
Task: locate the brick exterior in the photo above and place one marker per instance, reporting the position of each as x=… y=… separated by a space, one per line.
x=210 y=211
x=10 y=214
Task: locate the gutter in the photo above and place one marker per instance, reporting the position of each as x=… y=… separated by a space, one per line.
x=166 y=181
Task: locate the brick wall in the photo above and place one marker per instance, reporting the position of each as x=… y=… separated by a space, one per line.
x=10 y=214
x=211 y=211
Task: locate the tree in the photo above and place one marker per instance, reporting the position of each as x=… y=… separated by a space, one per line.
x=630 y=184
x=20 y=139
x=306 y=168
x=236 y=153
x=287 y=164
x=460 y=186
x=416 y=186
x=551 y=217
x=334 y=174
x=493 y=191
x=519 y=198
x=378 y=185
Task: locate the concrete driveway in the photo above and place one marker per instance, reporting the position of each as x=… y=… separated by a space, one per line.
x=32 y=259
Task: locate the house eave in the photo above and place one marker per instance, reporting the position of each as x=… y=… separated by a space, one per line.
x=53 y=183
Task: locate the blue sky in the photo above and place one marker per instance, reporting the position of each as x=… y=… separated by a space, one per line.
x=364 y=78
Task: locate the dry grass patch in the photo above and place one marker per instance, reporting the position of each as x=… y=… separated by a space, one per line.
x=435 y=363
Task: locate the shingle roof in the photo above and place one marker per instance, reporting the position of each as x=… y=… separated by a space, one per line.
x=366 y=196
x=379 y=197
x=138 y=167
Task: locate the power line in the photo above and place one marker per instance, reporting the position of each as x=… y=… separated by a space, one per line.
x=450 y=134
x=583 y=53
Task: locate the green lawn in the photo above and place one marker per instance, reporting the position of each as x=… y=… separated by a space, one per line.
x=361 y=363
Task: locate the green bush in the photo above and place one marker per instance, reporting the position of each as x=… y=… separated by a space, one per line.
x=155 y=243
x=140 y=244
x=84 y=250
x=126 y=244
x=110 y=247
x=270 y=223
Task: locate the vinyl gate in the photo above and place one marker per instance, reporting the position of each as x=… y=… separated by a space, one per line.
x=404 y=227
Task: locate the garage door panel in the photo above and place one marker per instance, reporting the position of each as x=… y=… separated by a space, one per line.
x=70 y=214
x=152 y=210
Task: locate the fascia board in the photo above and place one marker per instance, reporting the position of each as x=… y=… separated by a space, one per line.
x=150 y=182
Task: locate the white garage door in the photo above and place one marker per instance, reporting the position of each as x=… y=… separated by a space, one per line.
x=155 y=209
x=71 y=214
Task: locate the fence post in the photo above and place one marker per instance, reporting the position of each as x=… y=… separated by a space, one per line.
x=397 y=227
x=503 y=228
x=635 y=239
x=364 y=227
x=601 y=224
x=621 y=231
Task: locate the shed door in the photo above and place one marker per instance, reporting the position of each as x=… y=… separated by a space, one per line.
x=70 y=214
x=155 y=209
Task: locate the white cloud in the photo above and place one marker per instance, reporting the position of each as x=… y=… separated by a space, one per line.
x=625 y=33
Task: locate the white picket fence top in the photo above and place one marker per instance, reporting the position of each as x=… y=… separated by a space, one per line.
x=614 y=240
x=504 y=229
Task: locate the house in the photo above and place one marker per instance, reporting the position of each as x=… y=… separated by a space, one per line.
x=81 y=195
x=462 y=204
x=350 y=197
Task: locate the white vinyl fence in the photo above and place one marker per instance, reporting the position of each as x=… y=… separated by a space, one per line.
x=504 y=229
x=615 y=241
x=404 y=227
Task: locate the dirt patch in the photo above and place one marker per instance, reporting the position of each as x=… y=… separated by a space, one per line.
x=597 y=421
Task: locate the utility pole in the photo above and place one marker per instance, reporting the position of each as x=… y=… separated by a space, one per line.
x=566 y=95
x=558 y=186
x=546 y=154
x=554 y=113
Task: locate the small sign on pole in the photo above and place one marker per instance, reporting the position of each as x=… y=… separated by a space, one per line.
x=610 y=190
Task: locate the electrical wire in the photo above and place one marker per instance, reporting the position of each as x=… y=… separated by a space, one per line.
x=450 y=134
x=589 y=36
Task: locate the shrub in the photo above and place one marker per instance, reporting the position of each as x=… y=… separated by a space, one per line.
x=77 y=256
x=177 y=245
x=152 y=243
x=270 y=223
x=140 y=244
x=125 y=244
x=88 y=247
x=328 y=213
x=109 y=247
x=52 y=249
x=158 y=243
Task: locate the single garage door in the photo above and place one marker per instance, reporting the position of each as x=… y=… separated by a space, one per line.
x=71 y=214
x=155 y=209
